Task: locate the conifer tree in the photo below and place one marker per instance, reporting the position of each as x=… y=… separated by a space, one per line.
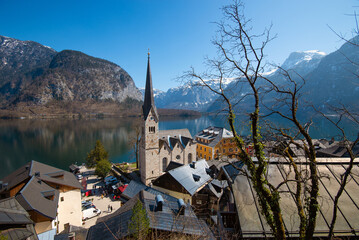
x=139 y=224
x=103 y=167
x=97 y=154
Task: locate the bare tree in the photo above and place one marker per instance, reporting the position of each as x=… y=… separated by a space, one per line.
x=241 y=55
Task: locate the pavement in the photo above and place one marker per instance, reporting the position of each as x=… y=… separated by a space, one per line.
x=101 y=202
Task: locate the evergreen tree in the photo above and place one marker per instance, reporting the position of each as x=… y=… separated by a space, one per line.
x=139 y=224
x=103 y=167
x=97 y=154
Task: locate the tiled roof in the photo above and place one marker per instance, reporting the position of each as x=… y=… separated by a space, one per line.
x=165 y=220
x=15 y=222
x=38 y=196
x=135 y=187
x=44 y=172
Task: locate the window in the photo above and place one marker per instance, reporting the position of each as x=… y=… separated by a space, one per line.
x=189 y=158
x=210 y=150
x=178 y=157
x=200 y=148
x=205 y=157
x=151 y=129
x=224 y=150
x=62 y=199
x=230 y=150
x=164 y=164
x=205 y=149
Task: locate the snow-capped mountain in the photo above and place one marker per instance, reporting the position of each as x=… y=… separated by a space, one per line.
x=195 y=96
x=303 y=62
x=191 y=95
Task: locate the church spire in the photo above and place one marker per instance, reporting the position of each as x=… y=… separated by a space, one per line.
x=149 y=101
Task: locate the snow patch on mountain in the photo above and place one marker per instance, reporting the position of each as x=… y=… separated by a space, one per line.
x=296 y=59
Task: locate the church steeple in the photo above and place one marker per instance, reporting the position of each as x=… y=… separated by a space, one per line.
x=149 y=101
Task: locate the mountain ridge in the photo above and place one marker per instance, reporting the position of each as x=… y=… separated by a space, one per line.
x=35 y=76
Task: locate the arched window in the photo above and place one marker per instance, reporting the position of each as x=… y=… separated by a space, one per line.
x=189 y=158
x=164 y=164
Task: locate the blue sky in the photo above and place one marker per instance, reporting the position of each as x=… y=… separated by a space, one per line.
x=178 y=33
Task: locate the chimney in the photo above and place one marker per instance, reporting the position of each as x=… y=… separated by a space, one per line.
x=159 y=203
x=181 y=206
x=193 y=165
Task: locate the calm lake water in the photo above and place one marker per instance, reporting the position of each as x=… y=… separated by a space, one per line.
x=62 y=142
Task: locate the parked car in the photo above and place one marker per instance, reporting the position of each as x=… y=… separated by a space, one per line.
x=79 y=177
x=90 y=213
x=87 y=204
x=109 y=179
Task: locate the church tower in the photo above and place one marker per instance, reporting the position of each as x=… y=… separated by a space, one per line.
x=149 y=145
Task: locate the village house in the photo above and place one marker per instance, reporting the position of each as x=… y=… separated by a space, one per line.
x=184 y=181
x=214 y=142
x=51 y=196
x=157 y=148
x=167 y=219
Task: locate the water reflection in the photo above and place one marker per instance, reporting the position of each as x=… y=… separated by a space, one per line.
x=62 y=142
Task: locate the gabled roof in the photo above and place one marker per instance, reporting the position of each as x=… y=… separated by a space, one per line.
x=166 y=220
x=135 y=187
x=44 y=172
x=15 y=222
x=173 y=165
x=192 y=176
x=214 y=135
x=184 y=132
x=37 y=196
x=172 y=137
x=149 y=102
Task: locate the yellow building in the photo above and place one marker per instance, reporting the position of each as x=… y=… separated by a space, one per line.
x=214 y=142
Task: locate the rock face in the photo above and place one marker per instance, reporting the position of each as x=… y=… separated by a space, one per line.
x=17 y=59
x=75 y=76
x=33 y=74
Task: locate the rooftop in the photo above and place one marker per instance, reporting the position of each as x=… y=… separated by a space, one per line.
x=192 y=176
x=167 y=219
x=253 y=224
x=213 y=135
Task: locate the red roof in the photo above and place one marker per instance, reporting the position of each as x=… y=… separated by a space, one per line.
x=122 y=188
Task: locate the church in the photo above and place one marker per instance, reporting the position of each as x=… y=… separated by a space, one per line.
x=158 y=148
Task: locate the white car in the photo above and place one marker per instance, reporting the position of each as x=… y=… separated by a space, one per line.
x=90 y=213
x=79 y=177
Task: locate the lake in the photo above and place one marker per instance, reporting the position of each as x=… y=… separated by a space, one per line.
x=61 y=142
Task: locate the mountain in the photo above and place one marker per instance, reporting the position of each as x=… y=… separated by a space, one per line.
x=191 y=96
x=329 y=80
x=17 y=58
x=335 y=80
x=303 y=62
x=35 y=76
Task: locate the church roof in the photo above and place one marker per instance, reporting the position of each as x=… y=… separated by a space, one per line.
x=175 y=133
x=149 y=102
